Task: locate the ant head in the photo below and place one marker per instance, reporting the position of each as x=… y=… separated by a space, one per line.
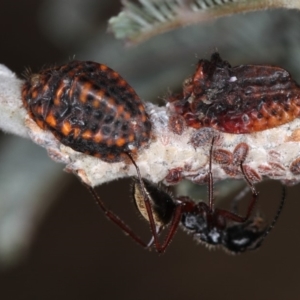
x=245 y=236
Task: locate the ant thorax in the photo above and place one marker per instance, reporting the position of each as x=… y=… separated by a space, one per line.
x=212 y=229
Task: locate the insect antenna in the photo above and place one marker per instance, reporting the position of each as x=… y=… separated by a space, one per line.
x=275 y=219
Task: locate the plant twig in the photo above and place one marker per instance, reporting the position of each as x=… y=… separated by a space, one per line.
x=139 y=22
x=273 y=153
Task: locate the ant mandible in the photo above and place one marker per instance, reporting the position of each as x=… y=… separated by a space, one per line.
x=208 y=224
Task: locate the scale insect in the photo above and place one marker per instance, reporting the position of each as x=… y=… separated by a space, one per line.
x=90 y=108
x=241 y=99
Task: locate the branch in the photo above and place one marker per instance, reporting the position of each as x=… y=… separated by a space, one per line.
x=139 y=22
x=170 y=157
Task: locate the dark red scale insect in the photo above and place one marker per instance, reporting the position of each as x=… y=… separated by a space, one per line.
x=90 y=108
x=242 y=99
x=209 y=225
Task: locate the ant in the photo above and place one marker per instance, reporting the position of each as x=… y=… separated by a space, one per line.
x=208 y=224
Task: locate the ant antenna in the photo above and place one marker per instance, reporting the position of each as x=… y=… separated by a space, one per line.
x=210 y=179
x=272 y=225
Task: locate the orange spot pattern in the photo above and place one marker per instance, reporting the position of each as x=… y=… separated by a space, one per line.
x=90 y=108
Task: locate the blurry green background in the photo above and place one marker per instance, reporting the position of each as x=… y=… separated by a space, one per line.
x=54 y=243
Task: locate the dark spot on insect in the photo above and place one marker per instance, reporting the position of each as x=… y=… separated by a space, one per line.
x=109 y=118
x=124 y=127
x=274 y=112
x=88 y=109
x=247 y=104
x=90 y=97
x=98 y=114
x=259 y=116
x=77 y=101
x=122 y=89
x=94 y=127
x=286 y=107
x=91 y=69
x=105 y=130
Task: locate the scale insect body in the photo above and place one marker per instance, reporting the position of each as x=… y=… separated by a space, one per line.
x=241 y=99
x=90 y=108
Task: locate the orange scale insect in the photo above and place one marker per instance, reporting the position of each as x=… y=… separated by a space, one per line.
x=79 y=102
x=241 y=99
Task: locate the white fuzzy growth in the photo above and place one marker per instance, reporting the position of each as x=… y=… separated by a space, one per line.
x=12 y=113
x=273 y=150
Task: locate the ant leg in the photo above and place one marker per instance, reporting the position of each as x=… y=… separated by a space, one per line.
x=114 y=218
x=249 y=183
x=172 y=227
x=234 y=216
x=160 y=248
x=238 y=198
x=210 y=179
x=158 y=232
x=237 y=218
x=155 y=235
x=253 y=190
x=171 y=231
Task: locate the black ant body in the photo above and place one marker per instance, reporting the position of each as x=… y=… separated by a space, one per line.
x=215 y=227
x=208 y=224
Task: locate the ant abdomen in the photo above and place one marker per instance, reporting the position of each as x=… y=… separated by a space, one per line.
x=162 y=203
